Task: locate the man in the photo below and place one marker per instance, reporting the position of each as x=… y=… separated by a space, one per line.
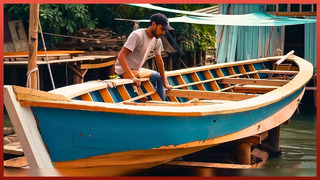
x=136 y=50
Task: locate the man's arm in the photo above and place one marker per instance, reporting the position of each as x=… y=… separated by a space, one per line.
x=122 y=58
x=160 y=65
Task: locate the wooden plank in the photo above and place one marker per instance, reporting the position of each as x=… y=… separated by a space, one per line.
x=13 y=148
x=140 y=97
x=210 y=81
x=69 y=91
x=209 y=95
x=97 y=65
x=86 y=97
x=231 y=71
x=278 y=72
x=264 y=82
x=123 y=92
x=181 y=82
x=106 y=96
x=283 y=58
x=255 y=139
x=36 y=95
x=18 y=34
x=253 y=89
x=262 y=155
x=208 y=165
x=16 y=162
x=173 y=99
x=26 y=128
x=225 y=89
x=221 y=65
x=149 y=88
x=57 y=61
x=41 y=53
x=164 y=103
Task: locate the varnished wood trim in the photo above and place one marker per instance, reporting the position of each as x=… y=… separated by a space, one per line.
x=23 y=93
x=265 y=82
x=213 y=80
x=139 y=97
x=253 y=89
x=209 y=95
x=97 y=65
x=278 y=72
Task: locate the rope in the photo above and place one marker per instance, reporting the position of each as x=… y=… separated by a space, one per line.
x=47 y=59
x=75 y=37
x=28 y=85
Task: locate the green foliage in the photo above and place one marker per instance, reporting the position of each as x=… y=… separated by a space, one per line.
x=56 y=18
x=68 y=18
x=193 y=37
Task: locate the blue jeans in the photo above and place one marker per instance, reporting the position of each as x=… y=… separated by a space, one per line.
x=156 y=81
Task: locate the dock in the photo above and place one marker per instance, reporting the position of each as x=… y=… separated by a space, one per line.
x=77 y=61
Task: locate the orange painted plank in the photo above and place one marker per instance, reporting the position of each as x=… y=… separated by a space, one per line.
x=213 y=84
x=149 y=88
x=251 y=68
x=86 y=97
x=220 y=74
x=123 y=92
x=242 y=70
x=106 y=96
x=195 y=78
x=181 y=81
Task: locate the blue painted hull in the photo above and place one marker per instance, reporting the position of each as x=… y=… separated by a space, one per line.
x=77 y=134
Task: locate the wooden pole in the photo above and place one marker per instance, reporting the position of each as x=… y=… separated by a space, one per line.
x=274 y=140
x=33 y=43
x=244 y=153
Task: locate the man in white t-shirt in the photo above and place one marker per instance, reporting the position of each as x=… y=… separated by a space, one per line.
x=136 y=50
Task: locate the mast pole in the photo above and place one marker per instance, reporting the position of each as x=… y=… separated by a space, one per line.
x=33 y=46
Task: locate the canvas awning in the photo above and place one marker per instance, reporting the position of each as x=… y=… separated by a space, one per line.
x=253 y=19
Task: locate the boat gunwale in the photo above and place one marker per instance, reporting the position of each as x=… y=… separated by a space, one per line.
x=232 y=107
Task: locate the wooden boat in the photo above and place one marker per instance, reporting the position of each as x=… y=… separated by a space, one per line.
x=108 y=123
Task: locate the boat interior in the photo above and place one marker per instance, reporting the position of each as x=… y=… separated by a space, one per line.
x=214 y=84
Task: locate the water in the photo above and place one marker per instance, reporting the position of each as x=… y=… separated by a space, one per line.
x=297 y=140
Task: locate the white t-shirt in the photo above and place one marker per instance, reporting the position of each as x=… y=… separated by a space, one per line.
x=140 y=46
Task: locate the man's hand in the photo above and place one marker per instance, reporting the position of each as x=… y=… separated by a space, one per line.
x=137 y=82
x=168 y=86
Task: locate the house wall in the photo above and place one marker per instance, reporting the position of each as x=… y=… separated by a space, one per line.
x=247 y=42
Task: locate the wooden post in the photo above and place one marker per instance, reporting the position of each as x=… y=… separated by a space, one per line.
x=274 y=140
x=33 y=43
x=244 y=153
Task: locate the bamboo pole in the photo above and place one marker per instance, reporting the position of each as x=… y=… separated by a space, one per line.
x=33 y=44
